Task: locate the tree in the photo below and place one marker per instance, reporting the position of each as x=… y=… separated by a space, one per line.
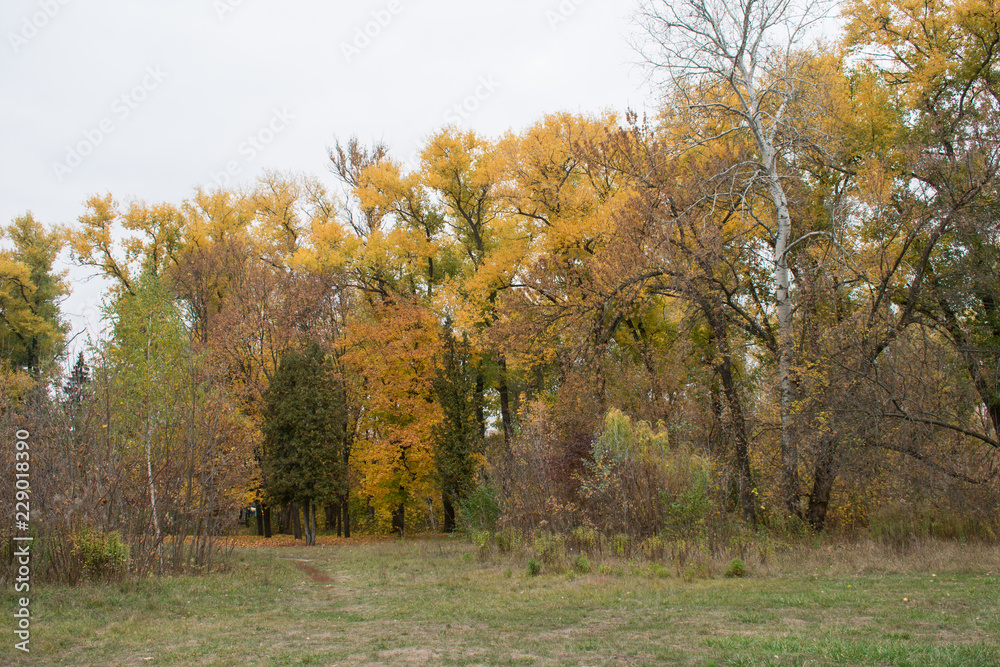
x=741 y=62
x=458 y=437
x=304 y=427
x=927 y=206
x=32 y=331
x=149 y=243
x=391 y=356
x=148 y=355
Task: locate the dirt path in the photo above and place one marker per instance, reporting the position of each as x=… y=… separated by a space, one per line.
x=313 y=572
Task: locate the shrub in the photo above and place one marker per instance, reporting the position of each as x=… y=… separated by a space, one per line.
x=653 y=548
x=550 y=549
x=687 y=507
x=657 y=570
x=736 y=568
x=100 y=555
x=482 y=540
x=508 y=540
x=581 y=564
x=696 y=570
x=584 y=539
x=621 y=544
x=534 y=567
x=480 y=510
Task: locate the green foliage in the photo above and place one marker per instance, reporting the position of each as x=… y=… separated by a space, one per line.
x=621 y=544
x=480 y=510
x=631 y=464
x=621 y=441
x=482 y=541
x=149 y=351
x=550 y=548
x=622 y=438
x=457 y=438
x=581 y=564
x=100 y=555
x=584 y=538
x=657 y=570
x=736 y=568
x=304 y=430
x=534 y=567
x=653 y=548
x=509 y=540
x=688 y=507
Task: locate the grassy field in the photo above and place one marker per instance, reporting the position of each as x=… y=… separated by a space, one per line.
x=433 y=601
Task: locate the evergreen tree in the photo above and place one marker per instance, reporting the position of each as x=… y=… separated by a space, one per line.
x=458 y=437
x=76 y=388
x=304 y=434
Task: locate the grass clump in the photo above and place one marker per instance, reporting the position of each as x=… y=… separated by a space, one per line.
x=737 y=568
x=550 y=549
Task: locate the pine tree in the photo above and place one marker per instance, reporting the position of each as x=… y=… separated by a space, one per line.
x=303 y=434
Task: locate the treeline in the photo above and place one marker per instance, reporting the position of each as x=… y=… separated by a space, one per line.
x=775 y=301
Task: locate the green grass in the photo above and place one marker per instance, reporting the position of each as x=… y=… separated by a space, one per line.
x=433 y=601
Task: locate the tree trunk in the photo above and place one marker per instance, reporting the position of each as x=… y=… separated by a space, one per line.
x=479 y=402
x=305 y=524
x=285 y=519
x=717 y=321
x=267 y=521
x=399 y=519
x=449 y=512
x=152 y=500
x=823 y=478
x=313 y=520
x=783 y=306
x=296 y=522
x=502 y=388
x=345 y=507
x=332 y=511
x=309 y=523
x=742 y=442
x=259 y=505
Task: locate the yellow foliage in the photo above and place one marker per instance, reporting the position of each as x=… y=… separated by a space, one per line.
x=390 y=359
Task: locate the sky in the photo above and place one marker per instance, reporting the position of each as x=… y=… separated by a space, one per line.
x=151 y=100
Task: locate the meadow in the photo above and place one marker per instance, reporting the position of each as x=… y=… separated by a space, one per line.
x=439 y=600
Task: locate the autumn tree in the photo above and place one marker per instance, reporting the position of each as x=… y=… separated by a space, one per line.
x=742 y=62
x=391 y=357
x=32 y=331
x=927 y=201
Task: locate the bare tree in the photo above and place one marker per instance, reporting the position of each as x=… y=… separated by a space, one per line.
x=737 y=65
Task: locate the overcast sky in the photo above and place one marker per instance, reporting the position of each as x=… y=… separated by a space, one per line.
x=153 y=99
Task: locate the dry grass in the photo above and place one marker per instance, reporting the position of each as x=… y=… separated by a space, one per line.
x=433 y=601
x=851 y=558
